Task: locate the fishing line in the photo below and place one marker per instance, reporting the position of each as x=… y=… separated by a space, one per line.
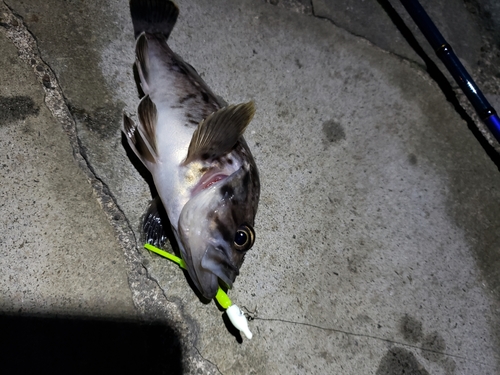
x=365 y=335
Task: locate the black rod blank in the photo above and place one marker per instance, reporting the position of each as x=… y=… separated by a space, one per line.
x=444 y=51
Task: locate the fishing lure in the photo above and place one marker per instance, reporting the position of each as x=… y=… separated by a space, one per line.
x=236 y=316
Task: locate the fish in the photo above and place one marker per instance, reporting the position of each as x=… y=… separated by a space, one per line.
x=192 y=143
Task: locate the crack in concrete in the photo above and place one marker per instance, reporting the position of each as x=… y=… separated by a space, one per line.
x=298 y=6
x=56 y=102
x=450 y=90
x=27 y=46
x=209 y=361
x=145 y=297
x=368 y=336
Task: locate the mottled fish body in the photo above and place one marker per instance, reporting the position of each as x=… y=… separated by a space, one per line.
x=192 y=143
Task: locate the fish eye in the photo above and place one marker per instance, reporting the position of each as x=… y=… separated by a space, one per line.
x=244 y=238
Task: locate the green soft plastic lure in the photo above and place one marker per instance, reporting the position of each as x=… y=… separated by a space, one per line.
x=236 y=316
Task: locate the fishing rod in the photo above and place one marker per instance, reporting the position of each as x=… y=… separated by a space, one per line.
x=484 y=109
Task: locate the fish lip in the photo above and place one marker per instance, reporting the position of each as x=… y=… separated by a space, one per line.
x=227 y=272
x=209 y=290
x=209 y=178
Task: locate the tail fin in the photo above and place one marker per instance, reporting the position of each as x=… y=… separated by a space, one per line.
x=153 y=16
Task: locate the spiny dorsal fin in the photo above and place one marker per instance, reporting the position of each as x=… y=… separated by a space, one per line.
x=153 y=16
x=219 y=132
x=142 y=61
x=135 y=140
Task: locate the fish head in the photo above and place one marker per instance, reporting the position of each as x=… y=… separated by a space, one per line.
x=216 y=229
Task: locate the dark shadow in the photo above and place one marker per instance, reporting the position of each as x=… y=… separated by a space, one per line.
x=137 y=80
x=440 y=79
x=141 y=168
x=62 y=345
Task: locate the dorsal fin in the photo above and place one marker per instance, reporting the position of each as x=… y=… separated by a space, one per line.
x=153 y=16
x=142 y=138
x=219 y=132
x=142 y=61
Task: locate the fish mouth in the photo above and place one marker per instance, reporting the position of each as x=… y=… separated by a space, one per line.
x=213 y=269
x=217 y=262
x=210 y=178
x=204 y=280
x=210 y=285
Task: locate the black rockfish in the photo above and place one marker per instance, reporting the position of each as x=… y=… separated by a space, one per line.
x=192 y=143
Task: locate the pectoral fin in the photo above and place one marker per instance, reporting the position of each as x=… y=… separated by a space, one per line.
x=219 y=132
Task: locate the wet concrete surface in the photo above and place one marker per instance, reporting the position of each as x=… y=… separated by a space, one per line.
x=377 y=242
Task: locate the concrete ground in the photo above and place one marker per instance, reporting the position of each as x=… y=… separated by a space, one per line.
x=378 y=248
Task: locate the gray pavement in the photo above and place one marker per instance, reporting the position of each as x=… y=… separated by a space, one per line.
x=59 y=254
x=378 y=248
